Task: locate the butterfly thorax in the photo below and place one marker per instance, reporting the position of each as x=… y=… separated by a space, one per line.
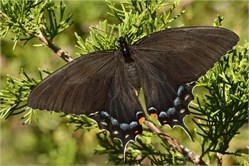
x=130 y=65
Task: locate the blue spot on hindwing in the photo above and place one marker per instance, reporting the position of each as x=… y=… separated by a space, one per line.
x=114 y=122
x=171 y=111
x=104 y=114
x=125 y=130
x=124 y=126
x=177 y=102
x=163 y=114
x=133 y=124
x=139 y=114
x=152 y=110
x=180 y=90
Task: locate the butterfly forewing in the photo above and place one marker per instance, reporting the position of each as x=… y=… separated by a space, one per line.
x=80 y=87
x=185 y=54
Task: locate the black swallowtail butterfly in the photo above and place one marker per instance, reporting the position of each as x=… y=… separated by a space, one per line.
x=104 y=84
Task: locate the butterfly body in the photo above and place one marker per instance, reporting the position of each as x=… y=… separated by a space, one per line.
x=164 y=64
x=132 y=75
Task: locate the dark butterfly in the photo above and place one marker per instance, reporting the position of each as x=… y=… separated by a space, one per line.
x=104 y=84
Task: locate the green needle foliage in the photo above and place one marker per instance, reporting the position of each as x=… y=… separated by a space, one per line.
x=136 y=20
x=26 y=18
x=14 y=96
x=223 y=110
x=219 y=111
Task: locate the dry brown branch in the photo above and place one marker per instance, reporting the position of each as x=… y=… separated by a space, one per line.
x=58 y=51
x=190 y=155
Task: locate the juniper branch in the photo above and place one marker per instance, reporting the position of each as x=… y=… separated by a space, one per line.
x=57 y=50
x=190 y=155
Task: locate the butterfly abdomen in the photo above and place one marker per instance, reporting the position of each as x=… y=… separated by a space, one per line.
x=133 y=76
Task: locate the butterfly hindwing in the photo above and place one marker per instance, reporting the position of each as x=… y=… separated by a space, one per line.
x=122 y=115
x=165 y=99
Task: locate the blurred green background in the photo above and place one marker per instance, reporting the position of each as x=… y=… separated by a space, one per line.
x=51 y=140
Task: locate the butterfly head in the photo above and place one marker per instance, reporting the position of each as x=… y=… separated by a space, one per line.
x=124 y=48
